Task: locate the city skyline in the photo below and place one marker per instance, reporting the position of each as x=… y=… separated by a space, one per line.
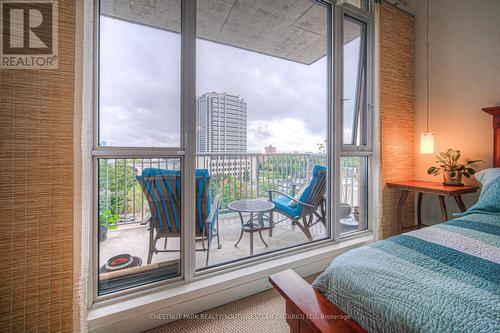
x=210 y=121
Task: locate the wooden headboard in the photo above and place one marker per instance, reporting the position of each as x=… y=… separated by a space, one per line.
x=495 y=112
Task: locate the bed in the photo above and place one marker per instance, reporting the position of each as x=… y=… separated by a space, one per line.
x=442 y=278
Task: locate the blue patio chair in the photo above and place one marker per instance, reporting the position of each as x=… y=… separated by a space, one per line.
x=162 y=189
x=304 y=208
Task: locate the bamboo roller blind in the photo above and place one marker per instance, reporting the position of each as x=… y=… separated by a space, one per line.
x=36 y=191
x=397 y=117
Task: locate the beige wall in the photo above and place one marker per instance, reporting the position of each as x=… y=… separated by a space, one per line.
x=464 y=69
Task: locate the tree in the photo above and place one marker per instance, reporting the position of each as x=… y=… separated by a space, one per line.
x=116 y=187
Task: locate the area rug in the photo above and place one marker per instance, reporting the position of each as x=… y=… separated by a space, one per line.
x=262 y=313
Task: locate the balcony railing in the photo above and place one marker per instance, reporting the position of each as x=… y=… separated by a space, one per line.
x=233 y=176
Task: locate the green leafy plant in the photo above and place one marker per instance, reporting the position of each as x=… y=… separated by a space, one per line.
x=117 y=186
x=448 y=162
x=108 y=219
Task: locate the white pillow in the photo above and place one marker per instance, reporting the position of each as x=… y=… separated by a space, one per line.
x=487 y=175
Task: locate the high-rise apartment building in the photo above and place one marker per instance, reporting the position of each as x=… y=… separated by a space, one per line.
x=222 y=123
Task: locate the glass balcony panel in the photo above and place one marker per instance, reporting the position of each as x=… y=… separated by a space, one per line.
x=353 y=209
x=136 y=215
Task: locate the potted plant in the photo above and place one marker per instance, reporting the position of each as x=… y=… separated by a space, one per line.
x=107 y=221
x=451 y=169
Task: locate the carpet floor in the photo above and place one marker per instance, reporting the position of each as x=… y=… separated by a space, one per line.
x=261 y=313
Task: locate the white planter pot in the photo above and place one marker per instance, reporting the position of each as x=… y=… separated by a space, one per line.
x=453 y=181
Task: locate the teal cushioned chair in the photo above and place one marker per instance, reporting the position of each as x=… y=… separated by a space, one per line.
x=306 y=206
x=162 y=189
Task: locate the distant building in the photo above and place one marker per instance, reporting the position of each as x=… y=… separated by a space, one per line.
x=270 y=150
x=222 y=123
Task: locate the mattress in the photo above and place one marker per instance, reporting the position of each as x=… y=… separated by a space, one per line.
x=444 y=278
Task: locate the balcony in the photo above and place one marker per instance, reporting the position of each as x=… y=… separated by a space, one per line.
x=233 y=177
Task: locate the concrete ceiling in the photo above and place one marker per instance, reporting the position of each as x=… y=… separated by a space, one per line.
x=290 y=29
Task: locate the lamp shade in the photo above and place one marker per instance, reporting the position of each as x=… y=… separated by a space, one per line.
x=426 y=143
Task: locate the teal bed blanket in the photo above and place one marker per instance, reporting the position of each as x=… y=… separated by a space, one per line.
x=444 y=278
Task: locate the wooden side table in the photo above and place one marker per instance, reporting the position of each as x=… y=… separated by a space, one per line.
x=434 y=188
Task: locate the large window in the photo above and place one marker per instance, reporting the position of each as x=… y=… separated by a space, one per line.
x=215 y=137
x=131 y=199
x=139 y=110
x=354 y=83
x=356 y=124
x=140 y=85
x=262 y=85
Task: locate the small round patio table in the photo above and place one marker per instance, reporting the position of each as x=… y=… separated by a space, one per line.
x=257 y=221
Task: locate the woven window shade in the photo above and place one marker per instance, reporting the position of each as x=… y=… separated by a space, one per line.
x=36 y=191
x=397 y=116
x=36 y=183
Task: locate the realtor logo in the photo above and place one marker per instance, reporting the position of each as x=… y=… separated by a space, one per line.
x=29 y=34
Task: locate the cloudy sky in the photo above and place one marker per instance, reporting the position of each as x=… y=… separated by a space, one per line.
x=140 y=90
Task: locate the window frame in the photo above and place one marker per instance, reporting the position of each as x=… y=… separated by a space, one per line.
x=187 y=125
x=366 y=16
x=355 y=14
x=365 y=5
x=186 y=151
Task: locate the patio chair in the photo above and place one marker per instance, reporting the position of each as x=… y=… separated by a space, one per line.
x=162 y=189
x=304 y=208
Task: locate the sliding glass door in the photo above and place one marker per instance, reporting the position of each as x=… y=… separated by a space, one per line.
x=262 y=90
